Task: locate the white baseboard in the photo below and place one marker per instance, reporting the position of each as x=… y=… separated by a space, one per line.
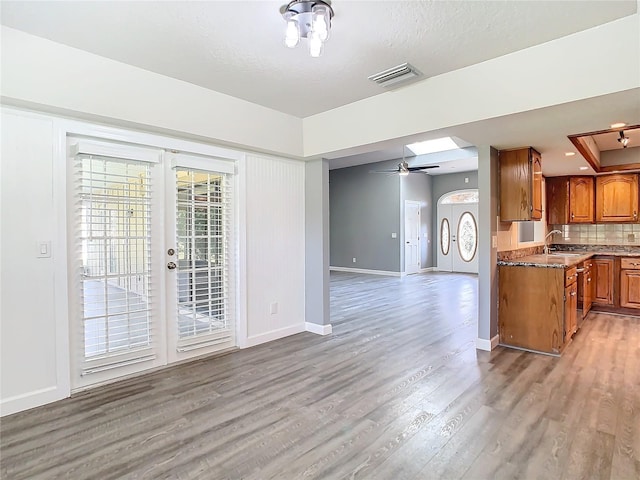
x=318 y=329
x=364 y=270
x=274 y=335
x=32 y=399
x=487 y=345
x=428 y=269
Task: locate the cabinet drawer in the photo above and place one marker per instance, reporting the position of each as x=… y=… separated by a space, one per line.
x=570 y=275
x=630 y=263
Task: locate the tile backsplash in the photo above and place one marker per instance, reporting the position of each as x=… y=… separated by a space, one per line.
x=601 y=234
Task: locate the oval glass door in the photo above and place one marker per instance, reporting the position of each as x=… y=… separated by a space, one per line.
x=467 y=237
x=445 y=237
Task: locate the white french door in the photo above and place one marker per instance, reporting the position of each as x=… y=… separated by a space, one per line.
x=152 y=261
x=199 y=256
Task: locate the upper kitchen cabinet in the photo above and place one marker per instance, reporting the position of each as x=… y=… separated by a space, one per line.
x=570 y=200
x=520 y=185
x=617 y=198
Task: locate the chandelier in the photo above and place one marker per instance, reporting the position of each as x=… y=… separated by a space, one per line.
x=310 y=19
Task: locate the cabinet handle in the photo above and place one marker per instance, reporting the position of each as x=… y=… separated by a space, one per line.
x=635 y=215
x=588 y=279
x=572 y=215
x=573 y=294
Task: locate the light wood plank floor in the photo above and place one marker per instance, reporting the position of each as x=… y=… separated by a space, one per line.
x=398 y=391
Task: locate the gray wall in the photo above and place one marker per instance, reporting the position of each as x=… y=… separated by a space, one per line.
x=487 y=251
x=364 y=209
x=444 y=184
x=316 y=203
x=418 y=187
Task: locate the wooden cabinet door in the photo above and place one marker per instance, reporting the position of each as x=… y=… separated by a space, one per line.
x=581 y=200
x=536 y=188
x=520 y=188
x=602 y=274
x=570 y=310
x=617 y=198
x=587 y=290
x=557 y=200
x=630 y=288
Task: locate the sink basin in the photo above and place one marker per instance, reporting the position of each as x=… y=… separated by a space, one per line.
x=562 y=254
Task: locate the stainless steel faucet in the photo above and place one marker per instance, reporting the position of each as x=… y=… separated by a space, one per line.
x=545 y=249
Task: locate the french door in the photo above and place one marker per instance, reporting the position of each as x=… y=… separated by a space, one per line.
x=458 y=238
x=152 y=263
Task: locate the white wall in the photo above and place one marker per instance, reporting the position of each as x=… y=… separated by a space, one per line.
x=275 y=247
x=33 y=369
x=34 y=327
x=42 y=74
x=555 y=72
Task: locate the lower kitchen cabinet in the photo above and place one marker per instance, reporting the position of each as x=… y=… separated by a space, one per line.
x=630 y=282
x=533 y=313
x=602 y=274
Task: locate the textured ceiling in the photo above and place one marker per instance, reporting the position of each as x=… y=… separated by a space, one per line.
x=236 y=47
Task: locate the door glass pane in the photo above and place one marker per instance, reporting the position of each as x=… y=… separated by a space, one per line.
x=114 y=233
x=444 y=236
x=467 y=236
x=202 y=249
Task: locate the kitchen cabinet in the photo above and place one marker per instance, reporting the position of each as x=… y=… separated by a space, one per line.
x=585 y=289
x=617 y=198
x=602 y=274
x=520 y=185
x=630 y=282
x=532 y=308
x=570 y=200
x=570 y=304
x=581 y=200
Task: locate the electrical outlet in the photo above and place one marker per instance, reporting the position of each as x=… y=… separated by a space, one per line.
x=354 y=260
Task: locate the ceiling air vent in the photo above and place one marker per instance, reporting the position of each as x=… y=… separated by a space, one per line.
x=395 y=75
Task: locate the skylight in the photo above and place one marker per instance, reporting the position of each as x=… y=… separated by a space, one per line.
x=433 y=146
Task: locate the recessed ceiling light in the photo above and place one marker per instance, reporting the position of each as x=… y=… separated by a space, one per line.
x=618 y=125
x=569 y=154
x=584 y=168
x=433 y=146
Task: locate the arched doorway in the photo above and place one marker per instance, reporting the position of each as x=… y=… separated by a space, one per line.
x=458 y=231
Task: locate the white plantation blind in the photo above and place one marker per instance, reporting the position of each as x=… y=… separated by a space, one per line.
x=203 y=234
x=112 y=252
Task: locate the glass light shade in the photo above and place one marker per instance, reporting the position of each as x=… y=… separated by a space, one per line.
x=321 y=21
x=292 y=35
x=315 y=44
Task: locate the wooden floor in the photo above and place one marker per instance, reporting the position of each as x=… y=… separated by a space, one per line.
x=398 y=391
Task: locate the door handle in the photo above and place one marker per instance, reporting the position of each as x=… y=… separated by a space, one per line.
x=171 y=266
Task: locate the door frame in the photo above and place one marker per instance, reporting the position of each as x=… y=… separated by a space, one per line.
x=64 y=128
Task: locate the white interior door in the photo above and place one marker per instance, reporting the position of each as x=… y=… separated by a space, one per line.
x=464 y=239
x=198 y=257
x=411 y=237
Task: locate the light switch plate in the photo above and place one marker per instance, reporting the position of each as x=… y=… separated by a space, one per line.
x=43 y=249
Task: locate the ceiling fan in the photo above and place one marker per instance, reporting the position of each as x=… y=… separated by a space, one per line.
x=404 y=169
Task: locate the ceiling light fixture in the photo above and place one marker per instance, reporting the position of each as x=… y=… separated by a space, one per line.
x=569 y=154
x=310 y=19
x=624 y=141
x=584 y=168
x=618 y=125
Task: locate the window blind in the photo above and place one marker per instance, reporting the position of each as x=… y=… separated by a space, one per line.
x=203 y=229
x=112 y=200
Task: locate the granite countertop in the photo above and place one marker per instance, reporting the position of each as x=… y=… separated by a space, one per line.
x=558 y=260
